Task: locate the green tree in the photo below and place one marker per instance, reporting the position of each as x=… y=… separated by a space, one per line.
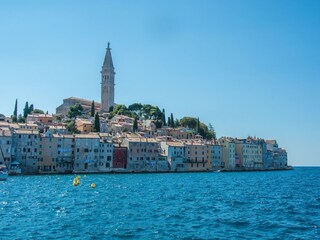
x=158 y=123
x=92 y=113
x=171 y=121
x=163 y=117
x=189 y=122
x=15 y=112
x=135 y=125
x=146 y=111
x=198 y=126
x=39 y=111
x=21 y=119
x=212 y=132
x=177 y=123
x=31 y=108
x=96 y=125
x=58 y=118
x=120 y=109
x=26 y=110
x=71 y=127
x=75 y=111
x=135 y=107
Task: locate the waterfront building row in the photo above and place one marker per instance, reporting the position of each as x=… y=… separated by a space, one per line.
x=101 y=152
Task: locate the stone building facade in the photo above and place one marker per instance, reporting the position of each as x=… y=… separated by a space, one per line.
x=69 y=102
x=107 y=82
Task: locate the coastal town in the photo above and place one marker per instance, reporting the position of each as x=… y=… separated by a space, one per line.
x=84 y=136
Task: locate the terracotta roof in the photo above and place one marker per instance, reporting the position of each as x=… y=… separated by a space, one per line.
x=5 y=133
x=83 y=101
x=26 y=131
x=62 y=135
x=141 y=140
x=175 y=144
x=87 y=136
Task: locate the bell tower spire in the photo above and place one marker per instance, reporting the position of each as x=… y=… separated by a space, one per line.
x=107 y=82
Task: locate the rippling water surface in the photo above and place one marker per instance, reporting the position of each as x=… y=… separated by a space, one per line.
x=246 y=205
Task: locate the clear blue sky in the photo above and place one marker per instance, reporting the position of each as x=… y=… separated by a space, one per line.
x=247 y=67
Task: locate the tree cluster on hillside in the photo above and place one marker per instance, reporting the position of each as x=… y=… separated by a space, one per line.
x=140 y=111
x=21 y=118
x=207 y=132
x=75 y=111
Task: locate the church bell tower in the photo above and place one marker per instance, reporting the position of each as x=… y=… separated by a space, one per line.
x=107 y=82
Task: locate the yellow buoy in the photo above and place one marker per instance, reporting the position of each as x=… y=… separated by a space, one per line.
x=76 y=181
x=93 y=185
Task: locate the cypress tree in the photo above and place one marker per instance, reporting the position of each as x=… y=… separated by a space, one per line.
x=92 y=113
x=96 y=125
x=164 y=117
x=31 y=108
x=198 y=126
x=171 y=121
x=15 y=112
x=26 y=110
x=135 y=125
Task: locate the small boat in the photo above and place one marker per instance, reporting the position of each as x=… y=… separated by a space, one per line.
x=3 y=172
x=14 y=168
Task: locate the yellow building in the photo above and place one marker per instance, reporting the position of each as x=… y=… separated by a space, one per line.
x=229 y=153
x=84 y=125
x=249 y=152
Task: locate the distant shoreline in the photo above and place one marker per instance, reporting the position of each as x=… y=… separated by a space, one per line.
x=155 y=172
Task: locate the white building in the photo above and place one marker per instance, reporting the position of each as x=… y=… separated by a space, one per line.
x=176 y=154
x=250 y=153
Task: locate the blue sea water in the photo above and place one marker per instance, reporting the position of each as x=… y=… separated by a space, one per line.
x=235 y=205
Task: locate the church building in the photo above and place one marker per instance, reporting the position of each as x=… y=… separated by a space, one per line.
x=107 y=82
x=107 y=90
